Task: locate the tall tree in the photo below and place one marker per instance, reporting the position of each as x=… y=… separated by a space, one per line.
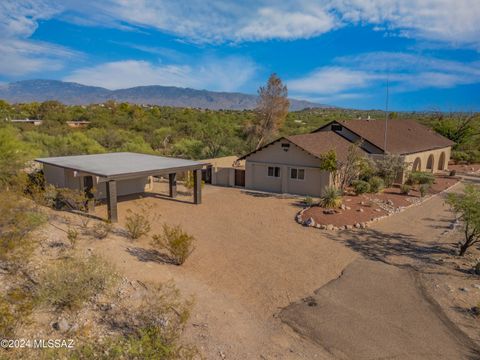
x=271 y=111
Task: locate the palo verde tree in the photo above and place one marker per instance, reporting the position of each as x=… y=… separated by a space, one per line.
x=467 y=208
x=270 y=113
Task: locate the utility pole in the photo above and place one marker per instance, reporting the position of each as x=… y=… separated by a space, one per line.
x=386 y=114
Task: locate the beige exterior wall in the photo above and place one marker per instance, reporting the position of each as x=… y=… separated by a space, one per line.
x=223 y=176
x=256 y=171
x=65 y=178
x=424 y=156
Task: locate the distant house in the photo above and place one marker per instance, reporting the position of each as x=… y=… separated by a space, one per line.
x=27 y=121
x=292 y=164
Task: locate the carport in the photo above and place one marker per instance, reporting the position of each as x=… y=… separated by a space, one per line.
x=112 y=168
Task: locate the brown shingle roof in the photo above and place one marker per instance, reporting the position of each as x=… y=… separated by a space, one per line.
x=321 y=142
x=403 y=136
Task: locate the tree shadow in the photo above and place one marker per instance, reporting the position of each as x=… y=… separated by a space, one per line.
x=380 y=246
x=150 y=255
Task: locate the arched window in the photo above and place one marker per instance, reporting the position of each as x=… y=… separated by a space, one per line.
x=417 y=165
x=441 y=162
x=430 y=162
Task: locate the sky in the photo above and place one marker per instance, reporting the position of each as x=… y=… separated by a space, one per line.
x=336 y=52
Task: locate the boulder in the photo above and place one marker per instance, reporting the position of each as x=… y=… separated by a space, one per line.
x=343 y=207
x=329 y=227
x=360 y=210
x=329 y=211
x=357 y=225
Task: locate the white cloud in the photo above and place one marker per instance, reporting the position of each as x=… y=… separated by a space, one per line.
x=452 y=21
x=214 y=74
x=405 y=72
x=20 y=55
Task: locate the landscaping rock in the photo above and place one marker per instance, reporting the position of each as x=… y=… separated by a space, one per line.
x=309 y=222
x=360 y=210
x=363 y=225
x=329 y=227
x=343 y=207
x=348 y=227
x=464 y=289
x=348 y=208
x=323 y=227
x=389 y=202
x=476 y=286
x=329 y=211
x=377 y=210
x=357 y=225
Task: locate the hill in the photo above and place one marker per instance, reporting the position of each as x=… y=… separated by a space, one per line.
x=77 y=94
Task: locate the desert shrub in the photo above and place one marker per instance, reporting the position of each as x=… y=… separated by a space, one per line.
x=466 y=156
x=307 y=201
x=376 y=184
x=138 y=223
x=421 y=178
x=368 y=169
x=459 y=156
x=424 y=189
x=69 y=283
x=100 y=230
x=19 y=217
x=151 y=328
x=467 y=207
x=405 y=189
x=177 y=242
x=360 y=187
x=389 y=167
x=72 y=236
x=64 y=198
x=331 y=198
x=15 y=308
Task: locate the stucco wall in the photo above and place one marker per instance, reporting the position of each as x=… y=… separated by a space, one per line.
x=65 y=178
x=54 y=175
x=222 y=176
x=423 y=156
x=256 y=171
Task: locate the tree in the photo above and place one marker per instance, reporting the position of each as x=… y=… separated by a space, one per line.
x=389 y=167
x=271 y=111
x=461 y=128
x=467 y=208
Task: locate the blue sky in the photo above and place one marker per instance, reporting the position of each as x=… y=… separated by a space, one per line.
x=337 y=52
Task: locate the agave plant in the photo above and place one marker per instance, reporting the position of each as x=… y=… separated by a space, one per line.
x=331 y=198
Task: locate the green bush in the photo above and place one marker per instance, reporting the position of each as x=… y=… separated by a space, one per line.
x=19 y=217
x=360 y=187
x=138 y=224
x=466 y=156
x=177 y=242
x=405 y=189
x=64 y=198
x=308 y=201
x=424 y=189
x=376 y=184
x=421 y=178
x=331 y=198
x=70 y=282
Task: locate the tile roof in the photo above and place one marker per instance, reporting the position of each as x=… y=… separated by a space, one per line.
x=403 y=136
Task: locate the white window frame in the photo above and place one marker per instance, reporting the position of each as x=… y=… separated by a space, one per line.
x=298 y=170
x=274 y=168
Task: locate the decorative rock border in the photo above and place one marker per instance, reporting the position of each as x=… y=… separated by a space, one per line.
x=310 y=222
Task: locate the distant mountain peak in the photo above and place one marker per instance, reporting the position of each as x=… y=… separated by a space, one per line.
x=77 y=94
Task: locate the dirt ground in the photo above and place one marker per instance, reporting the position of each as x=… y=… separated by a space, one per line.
x=252 y=260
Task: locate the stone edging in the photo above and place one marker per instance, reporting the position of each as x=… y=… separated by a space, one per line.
x=311 y=223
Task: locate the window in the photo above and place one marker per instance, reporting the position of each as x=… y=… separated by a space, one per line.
x=337 y=127
x=297 y=174
x=274 y=171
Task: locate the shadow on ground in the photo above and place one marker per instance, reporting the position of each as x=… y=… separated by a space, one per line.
x=380 y=246
x=149 y=255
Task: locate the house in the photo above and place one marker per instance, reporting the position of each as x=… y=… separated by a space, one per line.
x=106 y=176
x=292 y=164
x=420 y=146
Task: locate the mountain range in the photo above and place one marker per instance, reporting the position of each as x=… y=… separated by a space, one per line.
x=77 y=94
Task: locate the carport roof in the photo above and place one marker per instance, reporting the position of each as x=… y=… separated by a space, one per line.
x=121 y=164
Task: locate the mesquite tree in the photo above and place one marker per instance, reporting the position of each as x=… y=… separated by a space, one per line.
x=467 y=208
